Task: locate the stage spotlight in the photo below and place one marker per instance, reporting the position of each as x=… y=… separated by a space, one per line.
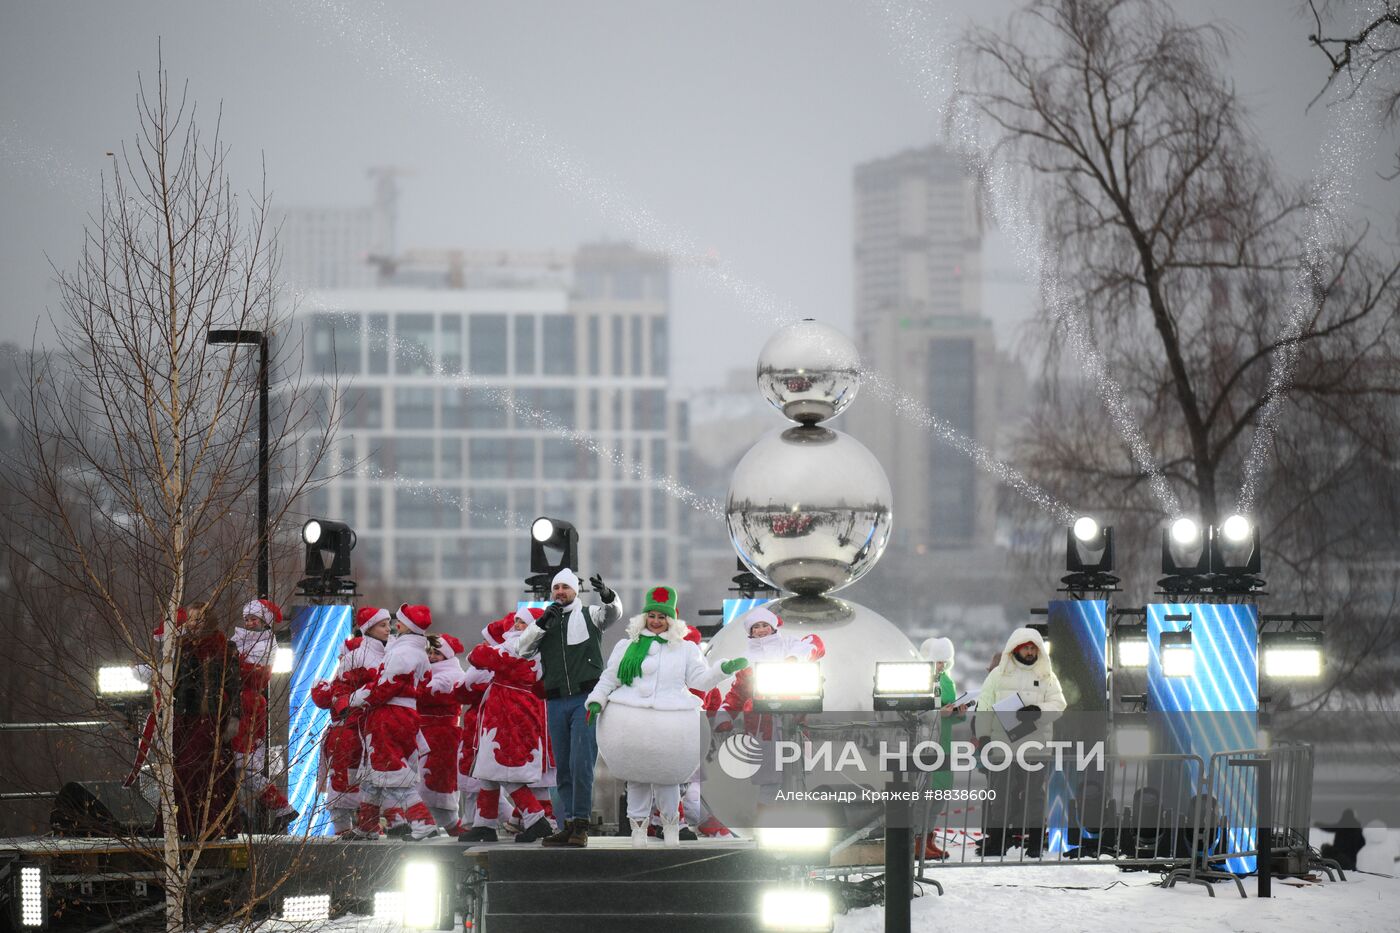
x=1185 y=556
x=1235 y=550
x=796 y=909
x=787 y=687
x=1296 y=655
x=306 y=907
x=794 y=838
x=28 y=883
x=1132 y=649
x=423 y=896
x=553 y=546
x=283 y=660
x=905 y=685
x=119 y=680
x=327 y=563
x=1089 y=556
x=1178 y=657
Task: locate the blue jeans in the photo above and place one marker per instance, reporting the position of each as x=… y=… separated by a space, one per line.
x=575 y=752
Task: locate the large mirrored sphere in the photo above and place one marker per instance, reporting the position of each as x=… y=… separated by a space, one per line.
x=809 y=371
x=855 y=638
x=809 y=509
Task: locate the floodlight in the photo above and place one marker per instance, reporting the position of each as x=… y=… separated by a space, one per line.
x=795 y=909
x=1086 y=529
x=1178 y=657
x=1132 y=647
x=119 y=680
x=28 y=880
x=542 y=530
x=423 y=895
x=306 y=907
x=388 y=905
x=1133 y=740
x=905 y=685
x=1291 y=654
x=787 y=687
x=283 y=660
x=311 y=532
x=794 y=838
x=1236 y=528
x=1185 y=556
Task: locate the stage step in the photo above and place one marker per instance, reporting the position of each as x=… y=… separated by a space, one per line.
x=704 y=888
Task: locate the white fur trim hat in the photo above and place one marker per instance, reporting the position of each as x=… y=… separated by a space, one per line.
x=264 y=609
x=418 y=619
x=937 y=649
x=762 y=615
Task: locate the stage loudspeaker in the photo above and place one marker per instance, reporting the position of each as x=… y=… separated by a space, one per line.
x=101 y=808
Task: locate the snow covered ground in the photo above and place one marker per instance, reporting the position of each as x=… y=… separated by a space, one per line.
x=1102 y=898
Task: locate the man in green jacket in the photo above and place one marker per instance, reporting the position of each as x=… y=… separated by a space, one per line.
x=568 y=639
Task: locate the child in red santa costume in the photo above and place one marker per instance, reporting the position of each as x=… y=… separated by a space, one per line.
x=343 y=753
x=440 y=701
x=512 y=739
x=391 y=726
x=257 y=646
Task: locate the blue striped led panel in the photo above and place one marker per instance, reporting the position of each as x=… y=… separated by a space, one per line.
x=1224 y=685
x=317 y=634
x=1078 y=633
x=733 y=608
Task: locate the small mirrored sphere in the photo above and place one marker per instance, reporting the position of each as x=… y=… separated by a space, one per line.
x=855 y=639
x=809 y=509
x=809 y=371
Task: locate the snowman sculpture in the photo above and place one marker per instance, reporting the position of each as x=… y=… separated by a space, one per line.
x=809 y=513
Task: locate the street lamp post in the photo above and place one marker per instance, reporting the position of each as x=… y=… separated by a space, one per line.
x=248 y=338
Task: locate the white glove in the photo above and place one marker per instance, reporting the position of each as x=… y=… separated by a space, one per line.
x=446 y=681
x=359 y=697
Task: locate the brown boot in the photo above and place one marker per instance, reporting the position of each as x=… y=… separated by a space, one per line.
x=561 y=838
x=579 y=838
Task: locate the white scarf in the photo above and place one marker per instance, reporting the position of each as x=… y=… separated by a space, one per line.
x=255 y=647
x=577 y=632
x=406 y=653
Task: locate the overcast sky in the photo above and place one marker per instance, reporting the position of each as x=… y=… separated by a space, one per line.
x=735 y=125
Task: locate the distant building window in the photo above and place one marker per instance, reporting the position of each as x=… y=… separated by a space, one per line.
x=378 y=343
x=524 y=345
x=335 y=345
x=413 y=344
x=595 y=366
x=413 y=559
x=627 y=509
x=487 y=558
x=362 y=407
x=412 y=457
x=952 y=383
x=559 y=339
x=486 y=344
x=501 y=458
x=660 y=349
x=629 y=284
x=544 y=408
x=638 y=348
x=413 y=407
x=488 y=507
x=616 y=348
x=560 y=502
x=424 y=507
x=481 y=407
x=562 y=459
x=450 y=344
x=449 y=457
x=648 y=409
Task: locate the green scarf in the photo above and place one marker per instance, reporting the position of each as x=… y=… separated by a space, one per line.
x=633 y=657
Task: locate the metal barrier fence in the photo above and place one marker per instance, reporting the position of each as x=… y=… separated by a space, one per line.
x=1195 y=820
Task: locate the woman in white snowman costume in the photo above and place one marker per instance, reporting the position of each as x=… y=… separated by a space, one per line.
x=650 y=726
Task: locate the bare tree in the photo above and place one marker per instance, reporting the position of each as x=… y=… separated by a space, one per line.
x=1192 y=266
x=132 y=482
x=1364 y=57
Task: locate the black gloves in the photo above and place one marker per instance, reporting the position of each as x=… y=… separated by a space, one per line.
x=552 y=614
x=601 y=588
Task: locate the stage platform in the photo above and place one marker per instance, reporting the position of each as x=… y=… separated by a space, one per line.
x=714 y=885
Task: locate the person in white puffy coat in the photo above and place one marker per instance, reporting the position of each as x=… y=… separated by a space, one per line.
x=650 y=727
x=1017 y=814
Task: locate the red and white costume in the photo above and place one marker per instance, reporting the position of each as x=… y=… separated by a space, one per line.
x=256 y=650
x=512 y=751
x=440 y=725
x=391 y=726
x=776 y=646
x=343 y=750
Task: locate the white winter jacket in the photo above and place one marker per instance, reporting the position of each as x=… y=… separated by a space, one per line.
x=672 y=668
x=1037 y=685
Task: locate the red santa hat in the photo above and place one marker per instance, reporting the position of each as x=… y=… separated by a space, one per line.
x=367 y=617
x=264 y=609
x=449 y=645
x=417 y=619
x=762 y=615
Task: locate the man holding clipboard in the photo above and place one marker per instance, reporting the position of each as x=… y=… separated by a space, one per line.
x=1019 y=701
